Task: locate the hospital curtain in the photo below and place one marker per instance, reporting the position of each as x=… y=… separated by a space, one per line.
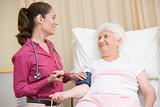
x=131 y=14
x=26 y=3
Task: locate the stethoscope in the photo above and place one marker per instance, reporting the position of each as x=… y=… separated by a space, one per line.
x=37 y=74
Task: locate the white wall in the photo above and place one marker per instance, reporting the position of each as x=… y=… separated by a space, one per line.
x=8 y=30
x=7 y=98
x=8 y=45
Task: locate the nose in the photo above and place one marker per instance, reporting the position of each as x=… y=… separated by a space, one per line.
x=101 y=40
x=56 y=22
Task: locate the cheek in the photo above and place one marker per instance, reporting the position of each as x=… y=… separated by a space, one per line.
x=49 y=21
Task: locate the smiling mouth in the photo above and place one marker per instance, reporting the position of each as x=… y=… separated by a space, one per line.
x=103 y=44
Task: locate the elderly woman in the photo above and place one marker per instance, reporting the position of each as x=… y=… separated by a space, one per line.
x=115 y=79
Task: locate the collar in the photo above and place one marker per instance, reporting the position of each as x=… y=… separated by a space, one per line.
x=38 y=48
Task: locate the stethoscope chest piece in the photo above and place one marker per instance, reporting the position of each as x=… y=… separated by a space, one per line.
x=37 y=75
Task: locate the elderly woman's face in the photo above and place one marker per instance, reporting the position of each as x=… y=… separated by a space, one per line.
x=108 y=43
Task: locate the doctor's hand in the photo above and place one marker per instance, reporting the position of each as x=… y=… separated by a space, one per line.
x=57 y=97
x=78 y=76
x=57 y=76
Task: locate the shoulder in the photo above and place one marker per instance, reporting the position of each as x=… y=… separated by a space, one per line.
x=135 y=67
x=22 y=54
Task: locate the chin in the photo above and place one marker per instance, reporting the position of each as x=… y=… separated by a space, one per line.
x=51 y=33
x=103 y=50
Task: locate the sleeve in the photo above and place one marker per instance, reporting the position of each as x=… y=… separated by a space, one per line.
x=67 y=77
x=21 y=85
x=137 y=69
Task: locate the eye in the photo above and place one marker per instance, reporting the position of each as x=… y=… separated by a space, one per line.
x=105 y=36
x=54 y=17
x=99 y=37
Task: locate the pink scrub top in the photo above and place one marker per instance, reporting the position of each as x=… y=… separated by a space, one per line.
x=25 y=68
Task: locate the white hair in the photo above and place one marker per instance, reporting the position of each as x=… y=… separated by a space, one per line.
x=115 y=28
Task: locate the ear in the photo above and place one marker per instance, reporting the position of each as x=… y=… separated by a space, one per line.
x=119 y=41
x=39 y=19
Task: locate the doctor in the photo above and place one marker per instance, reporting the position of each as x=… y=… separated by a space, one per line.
x=38 y=70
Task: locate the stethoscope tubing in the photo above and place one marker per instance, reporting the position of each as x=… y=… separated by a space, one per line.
x=37 y=73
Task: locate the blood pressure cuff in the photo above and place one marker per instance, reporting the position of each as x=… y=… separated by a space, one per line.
x=85 y=81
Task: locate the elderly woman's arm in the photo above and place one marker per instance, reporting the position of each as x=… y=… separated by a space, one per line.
x=76 y=92
x=146 y=89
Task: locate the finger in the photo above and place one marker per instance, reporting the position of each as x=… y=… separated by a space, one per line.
x=56 y=71
x=83 y=75
x=59 y=98
x=56 y=98
x=58 y=79
x=51 y=95
x=62 y=72
x=80 y=78
x=59 y=74
x=62 y=98
x=83 y=72
x=55 y=75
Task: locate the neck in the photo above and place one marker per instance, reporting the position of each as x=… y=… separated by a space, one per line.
x=111 y=57
x=38 y=37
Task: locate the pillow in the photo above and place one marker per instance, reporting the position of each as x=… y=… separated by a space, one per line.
x=84 y=47
x=140 y=45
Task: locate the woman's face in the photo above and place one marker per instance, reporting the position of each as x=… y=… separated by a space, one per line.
x=108 y=43
x=49 y=23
